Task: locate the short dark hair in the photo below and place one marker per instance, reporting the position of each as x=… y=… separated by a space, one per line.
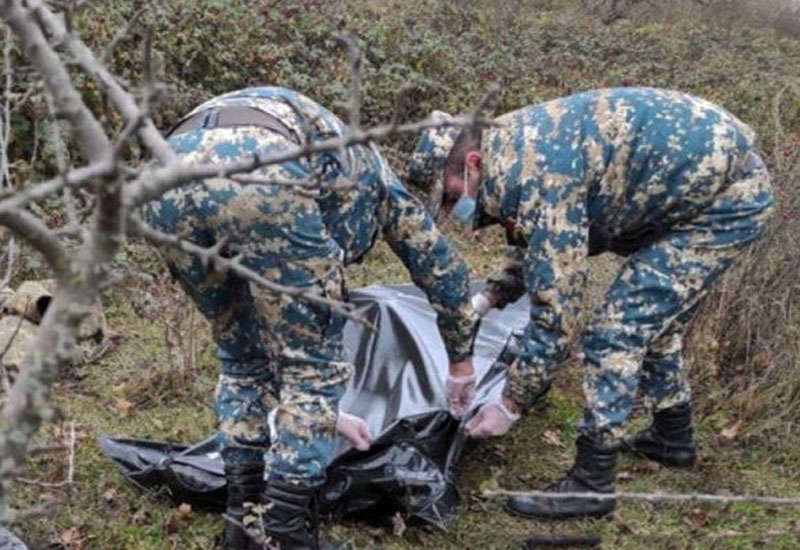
x=469 y=139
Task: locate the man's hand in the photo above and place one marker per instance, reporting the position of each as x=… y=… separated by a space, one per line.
x=355 y=430
x=459 y=387
x=492 y=420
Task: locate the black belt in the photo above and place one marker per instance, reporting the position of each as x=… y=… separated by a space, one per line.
x=229 y=117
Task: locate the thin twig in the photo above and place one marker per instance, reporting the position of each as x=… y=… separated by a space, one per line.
x=121 y=35
x=123 y=100
x=253 y=179
x=648 y=497
x=47 y=449
x=6 y=130
x=127 y=134
x=11 y=258
x=71 y=467
x=304 y=183
x=77 y=178
x=485 y=103
x=60 y=149
x=70 y=477
x=354 y=100
x=13 y=335
x=37 y=234
x=24 y=20
x=40 y=510
x=400 y=102
x=40 y=483
x=750 y=534
x=32 y=89
x=154 y=182
x=257 y=537
x=211 y=256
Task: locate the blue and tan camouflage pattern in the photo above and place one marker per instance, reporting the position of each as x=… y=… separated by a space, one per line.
x=279 y=354
x=425 y=166
x=667 y=179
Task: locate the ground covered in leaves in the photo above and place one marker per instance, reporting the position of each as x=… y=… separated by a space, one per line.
x=157 y=376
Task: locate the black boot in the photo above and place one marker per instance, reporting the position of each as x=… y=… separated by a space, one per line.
x=594 y=472
x=289 y=520
x=668 y=440
x=245 y=484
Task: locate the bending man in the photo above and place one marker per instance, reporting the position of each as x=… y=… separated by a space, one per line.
x=670 y=181
x=281 y=356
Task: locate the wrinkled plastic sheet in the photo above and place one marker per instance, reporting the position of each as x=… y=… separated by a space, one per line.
x=398 y=388
x=9 y=541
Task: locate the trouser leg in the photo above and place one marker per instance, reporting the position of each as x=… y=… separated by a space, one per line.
x=659 y=285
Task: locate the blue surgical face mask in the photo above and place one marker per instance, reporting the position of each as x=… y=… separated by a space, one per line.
x=464 y=208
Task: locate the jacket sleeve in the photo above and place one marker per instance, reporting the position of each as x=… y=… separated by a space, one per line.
x=434 y=265
x=554 y=269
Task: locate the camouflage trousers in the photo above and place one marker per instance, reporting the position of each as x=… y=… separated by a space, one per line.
x=634 y=340
x=283 y=370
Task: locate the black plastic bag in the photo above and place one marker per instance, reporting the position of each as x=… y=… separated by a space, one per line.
x=412 y=466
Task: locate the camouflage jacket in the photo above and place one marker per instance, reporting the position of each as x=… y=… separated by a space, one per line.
x=605 y=170
x=365 y=197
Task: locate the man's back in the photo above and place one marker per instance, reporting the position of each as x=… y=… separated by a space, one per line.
x=638 y=155
x=351 y=183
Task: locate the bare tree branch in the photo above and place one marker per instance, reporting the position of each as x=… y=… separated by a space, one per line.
x=156 y=181
x=113 y=191
x=124 y=101
x=78 y=276
x=5 y=132
x=77 y=178
x=211 y=256
x=66 y=100
x=354 y=99
x=11 y=339
x=60 y=150
x=121 y=35
x=70 y=477
x=11 y=258
x=647 y=497
x=37 y=234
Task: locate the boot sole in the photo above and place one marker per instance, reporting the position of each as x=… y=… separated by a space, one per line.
x=557 y=516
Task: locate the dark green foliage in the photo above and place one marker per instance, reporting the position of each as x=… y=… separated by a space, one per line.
x=448 y=53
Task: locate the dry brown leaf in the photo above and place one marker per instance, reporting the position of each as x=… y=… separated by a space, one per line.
x=110 y=496
x=649 y=466
x=185 y=511
x=140 y=517
x=71 y=539
x=178 y=519
x=698 y=519
x=552 y=438
x=730 y=433
x=626 y=475
x=122 y=406
x=477 y=505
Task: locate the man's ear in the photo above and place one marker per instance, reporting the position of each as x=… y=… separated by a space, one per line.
x=474 y=160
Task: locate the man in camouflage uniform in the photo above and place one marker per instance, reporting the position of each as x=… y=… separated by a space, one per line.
x=283 y=370
x=668 y=180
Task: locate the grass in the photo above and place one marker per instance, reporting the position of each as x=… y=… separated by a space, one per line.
x=134 y=391
x=158 y=378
